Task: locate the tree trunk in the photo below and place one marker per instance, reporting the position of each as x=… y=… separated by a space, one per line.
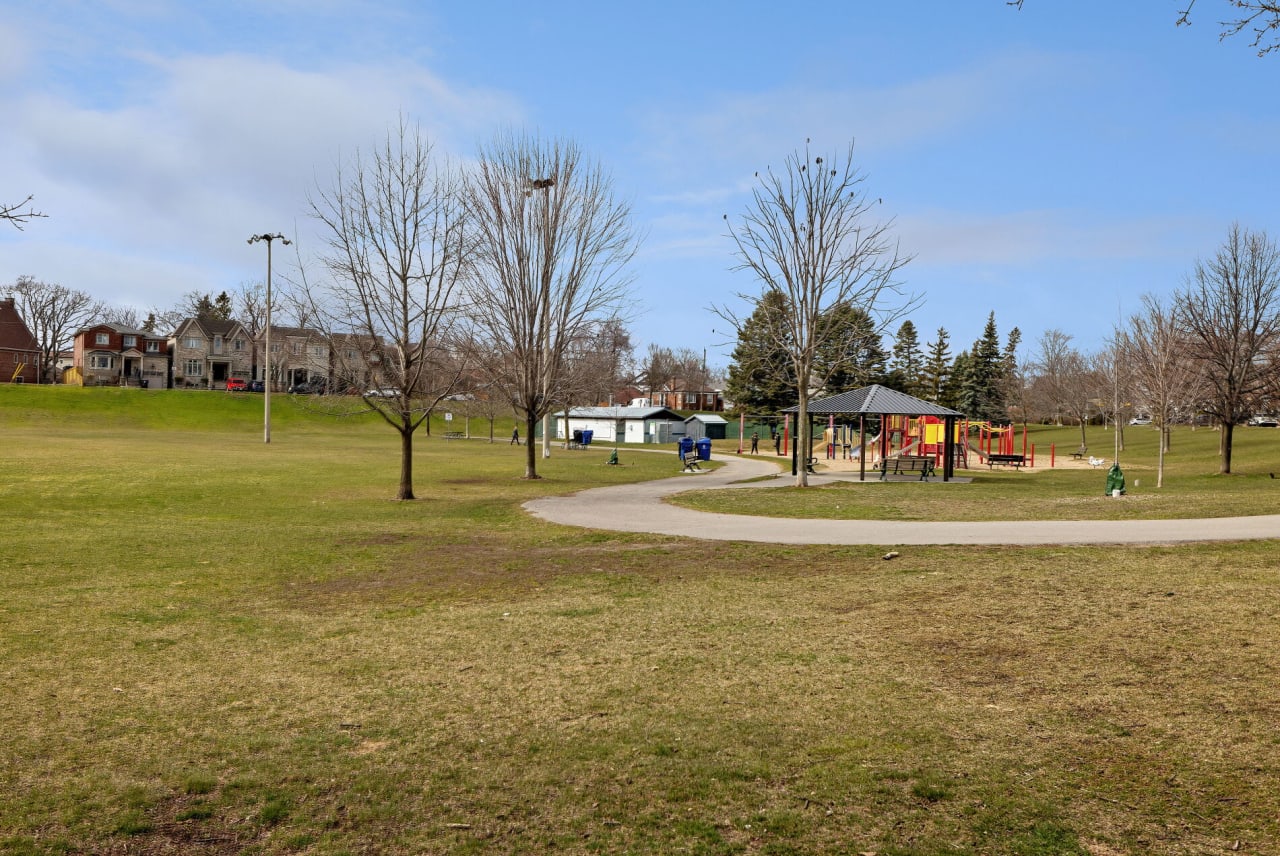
x=530 y=446
x=1160 y=459
x=406 y=464
x=1224 y=446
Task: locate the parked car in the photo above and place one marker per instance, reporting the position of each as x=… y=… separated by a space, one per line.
x=236 y=384
x=1264 y=422
x=383 y=392
x=1140 y=420
x=315 y=386
x=257 y=386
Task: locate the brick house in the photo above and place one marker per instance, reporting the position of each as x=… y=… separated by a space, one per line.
x=207 y=352
x=19 y=350
x=116 y=355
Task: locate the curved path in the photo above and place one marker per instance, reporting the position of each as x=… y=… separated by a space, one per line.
x=640 y=508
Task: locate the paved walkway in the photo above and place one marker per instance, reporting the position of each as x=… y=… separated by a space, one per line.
x=640 y=508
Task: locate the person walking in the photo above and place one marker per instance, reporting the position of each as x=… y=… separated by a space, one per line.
x=755 y=441
x=515 y=436
x=777 y=443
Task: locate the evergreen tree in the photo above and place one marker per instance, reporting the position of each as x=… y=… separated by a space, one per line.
x=906 y=372
x=761 y=378
x=982 y=396
x=223 y=307
x=957 y=380
x=937 y=368
x=853 y=355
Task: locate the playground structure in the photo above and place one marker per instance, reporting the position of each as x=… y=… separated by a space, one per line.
x=975 y=442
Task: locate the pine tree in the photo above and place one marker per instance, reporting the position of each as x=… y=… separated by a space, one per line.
x=761 y=377
x=956 y=382
x=853 y=356
x=906 y=368
x=937 y=368
x=982 y=395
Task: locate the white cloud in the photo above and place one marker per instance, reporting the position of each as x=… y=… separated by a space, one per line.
x=221 y=147
x=1023 y=238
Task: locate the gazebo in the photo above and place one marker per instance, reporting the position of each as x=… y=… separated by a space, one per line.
x=876 y=400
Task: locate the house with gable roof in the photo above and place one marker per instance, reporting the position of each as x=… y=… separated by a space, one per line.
x=208 y=352
x=111 y=354
x=19 y=350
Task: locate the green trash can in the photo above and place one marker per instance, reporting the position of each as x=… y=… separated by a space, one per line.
x=1115 y=480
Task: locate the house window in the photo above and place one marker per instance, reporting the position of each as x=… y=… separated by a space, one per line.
x=102 y=339
x=295 y=348
x=237 y=344
x=192 y=342
x=102 y=361
x=153 y=347
x=217 y=344
x=317 y=351
x=131 y=341
x=195 y=368
x=275 y=347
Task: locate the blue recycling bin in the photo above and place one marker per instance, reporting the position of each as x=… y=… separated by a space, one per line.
x=587 y=434
x=685 y=447
x=704 y=449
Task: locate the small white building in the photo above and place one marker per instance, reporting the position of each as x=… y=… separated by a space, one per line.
x=626 y=424
x=707 y=425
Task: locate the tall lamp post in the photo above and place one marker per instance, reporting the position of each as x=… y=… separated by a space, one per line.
x=266 y=371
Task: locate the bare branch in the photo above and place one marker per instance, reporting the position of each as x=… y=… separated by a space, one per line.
x=15 y=215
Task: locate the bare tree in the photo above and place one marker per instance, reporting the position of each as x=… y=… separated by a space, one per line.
x=396 y=250
x=54 y=313
x=125 y=316
x=1165 y=380
x=666 y=368
x=552 y=248
x=1260 y=16
x=16 y=216
x=1229 y=313
x=1066 y=384
x=808 y=236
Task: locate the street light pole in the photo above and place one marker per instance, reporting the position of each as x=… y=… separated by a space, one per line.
x=266 y=359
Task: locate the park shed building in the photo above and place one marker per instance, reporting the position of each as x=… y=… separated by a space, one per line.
x=706 y=425
x=621 y=424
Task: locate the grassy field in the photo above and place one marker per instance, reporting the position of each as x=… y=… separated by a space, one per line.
x=215 y=646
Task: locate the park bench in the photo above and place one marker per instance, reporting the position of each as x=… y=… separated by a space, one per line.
x=1079 y=454
x=454 y=435
x=691 y=463
x=1006 y=460
x=921 y=464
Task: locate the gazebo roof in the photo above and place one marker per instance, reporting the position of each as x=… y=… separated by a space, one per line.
x=876 y=399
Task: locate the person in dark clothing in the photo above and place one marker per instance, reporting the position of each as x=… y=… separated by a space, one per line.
x=755 y=441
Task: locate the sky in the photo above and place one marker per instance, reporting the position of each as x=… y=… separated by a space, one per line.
x=1050 y=165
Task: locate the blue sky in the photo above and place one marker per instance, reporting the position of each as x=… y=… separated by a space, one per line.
x=1051 y=164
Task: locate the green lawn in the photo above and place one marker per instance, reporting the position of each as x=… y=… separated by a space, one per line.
x=213 y=645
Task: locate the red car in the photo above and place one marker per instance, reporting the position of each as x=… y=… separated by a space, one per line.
x=236 y=384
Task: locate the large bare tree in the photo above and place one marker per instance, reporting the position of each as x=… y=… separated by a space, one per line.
x=1164 y=379
x=552 y=249
x=810 y=239
x=1229 y=314
x=54 y=313
x=396 y=249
